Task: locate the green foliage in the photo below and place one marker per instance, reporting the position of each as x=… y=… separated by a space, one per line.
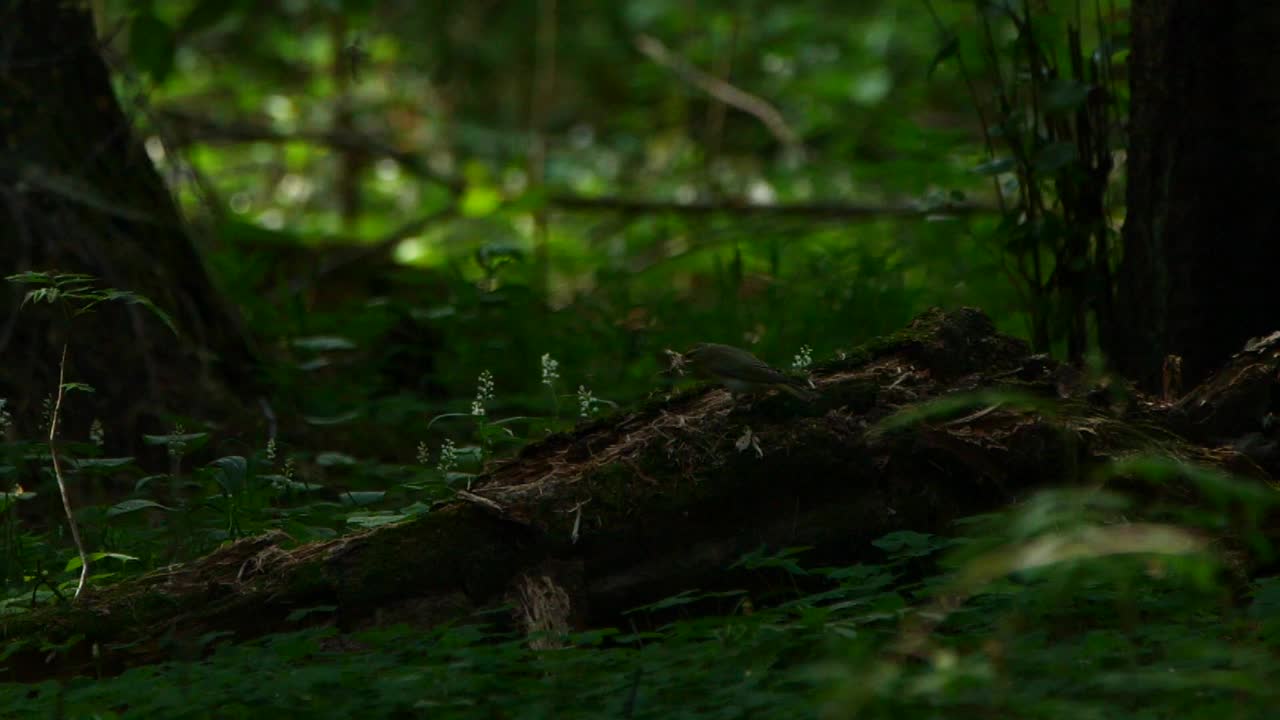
x=433 y=255
x=77 y=294
x=1051 y=108
x=1136 y=628
x=151 y=45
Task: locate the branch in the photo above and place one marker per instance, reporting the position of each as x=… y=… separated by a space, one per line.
x=753 y=105
x=190 y=129
x=812 y=211
x=54 y=416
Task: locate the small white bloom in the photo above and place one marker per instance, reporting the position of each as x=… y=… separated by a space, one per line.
x=484 y=393
x=803 y=359
x=586 y=401
x=424 y=453
x=271 y=451
x=484 y=386
x=177 y=445
x=97 y=435
x=550 y=370
x=448 y=457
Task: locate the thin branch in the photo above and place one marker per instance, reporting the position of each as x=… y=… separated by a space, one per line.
x=203 y=130
x=753 y=105
x=57 y=472
x=358 y=253
x=811 y=211
x=189 y=129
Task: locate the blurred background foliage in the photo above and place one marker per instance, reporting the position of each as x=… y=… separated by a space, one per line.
x=433 y=188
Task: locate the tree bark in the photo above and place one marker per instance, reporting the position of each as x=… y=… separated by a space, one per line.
x=79 y=194
x=1200 y=246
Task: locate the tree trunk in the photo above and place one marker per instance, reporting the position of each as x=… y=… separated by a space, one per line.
x=79 y=194
x=1200 y=248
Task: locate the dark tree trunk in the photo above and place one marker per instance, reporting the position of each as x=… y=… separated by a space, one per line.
x=79 y=194
x=1201 y=249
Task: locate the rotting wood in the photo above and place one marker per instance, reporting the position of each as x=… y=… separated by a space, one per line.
x=626 y=510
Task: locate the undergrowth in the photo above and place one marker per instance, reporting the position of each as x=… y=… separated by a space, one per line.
x=1142 y=636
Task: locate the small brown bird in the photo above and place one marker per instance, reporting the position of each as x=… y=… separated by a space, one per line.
x=742 y=372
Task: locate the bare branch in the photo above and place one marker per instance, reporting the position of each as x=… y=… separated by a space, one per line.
x=191 y=129
x=753 y=105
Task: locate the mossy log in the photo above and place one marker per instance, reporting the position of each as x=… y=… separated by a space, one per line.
x=631 y=508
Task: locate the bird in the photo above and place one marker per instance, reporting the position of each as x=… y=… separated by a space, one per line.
x=740 y=371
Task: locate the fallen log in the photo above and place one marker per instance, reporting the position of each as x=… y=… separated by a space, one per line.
x=631 y=508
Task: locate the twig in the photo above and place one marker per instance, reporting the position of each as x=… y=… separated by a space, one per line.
x=57 y=472
x=818 y=210
x=480 y=500
x=202 y=130
x=190 y=128
x=753 y=105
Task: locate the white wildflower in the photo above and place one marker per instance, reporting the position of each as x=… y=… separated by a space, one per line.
x=484 y=393
x=448 y=457
x=550 y=370
x=586 y=401
x=802 y=359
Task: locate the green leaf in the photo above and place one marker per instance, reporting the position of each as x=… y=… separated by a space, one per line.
x=30 y=277
x=334 y=459
x=74 y=563
x=192 y=440
x=373 y=520
x=908 y=544
x=151 y=46
x=129 y=506
x=995 y=167
x=231 y=472
x=782 y=559
x=447 y=415
x=143 y=482
x=363 y=497
x=111 y=294
x=301 y=613
x=100 y=464
x=331 y=419
x=280 y=482
x=11 y=497
x=684 y=598
x=480 y=200
x=321 y=343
